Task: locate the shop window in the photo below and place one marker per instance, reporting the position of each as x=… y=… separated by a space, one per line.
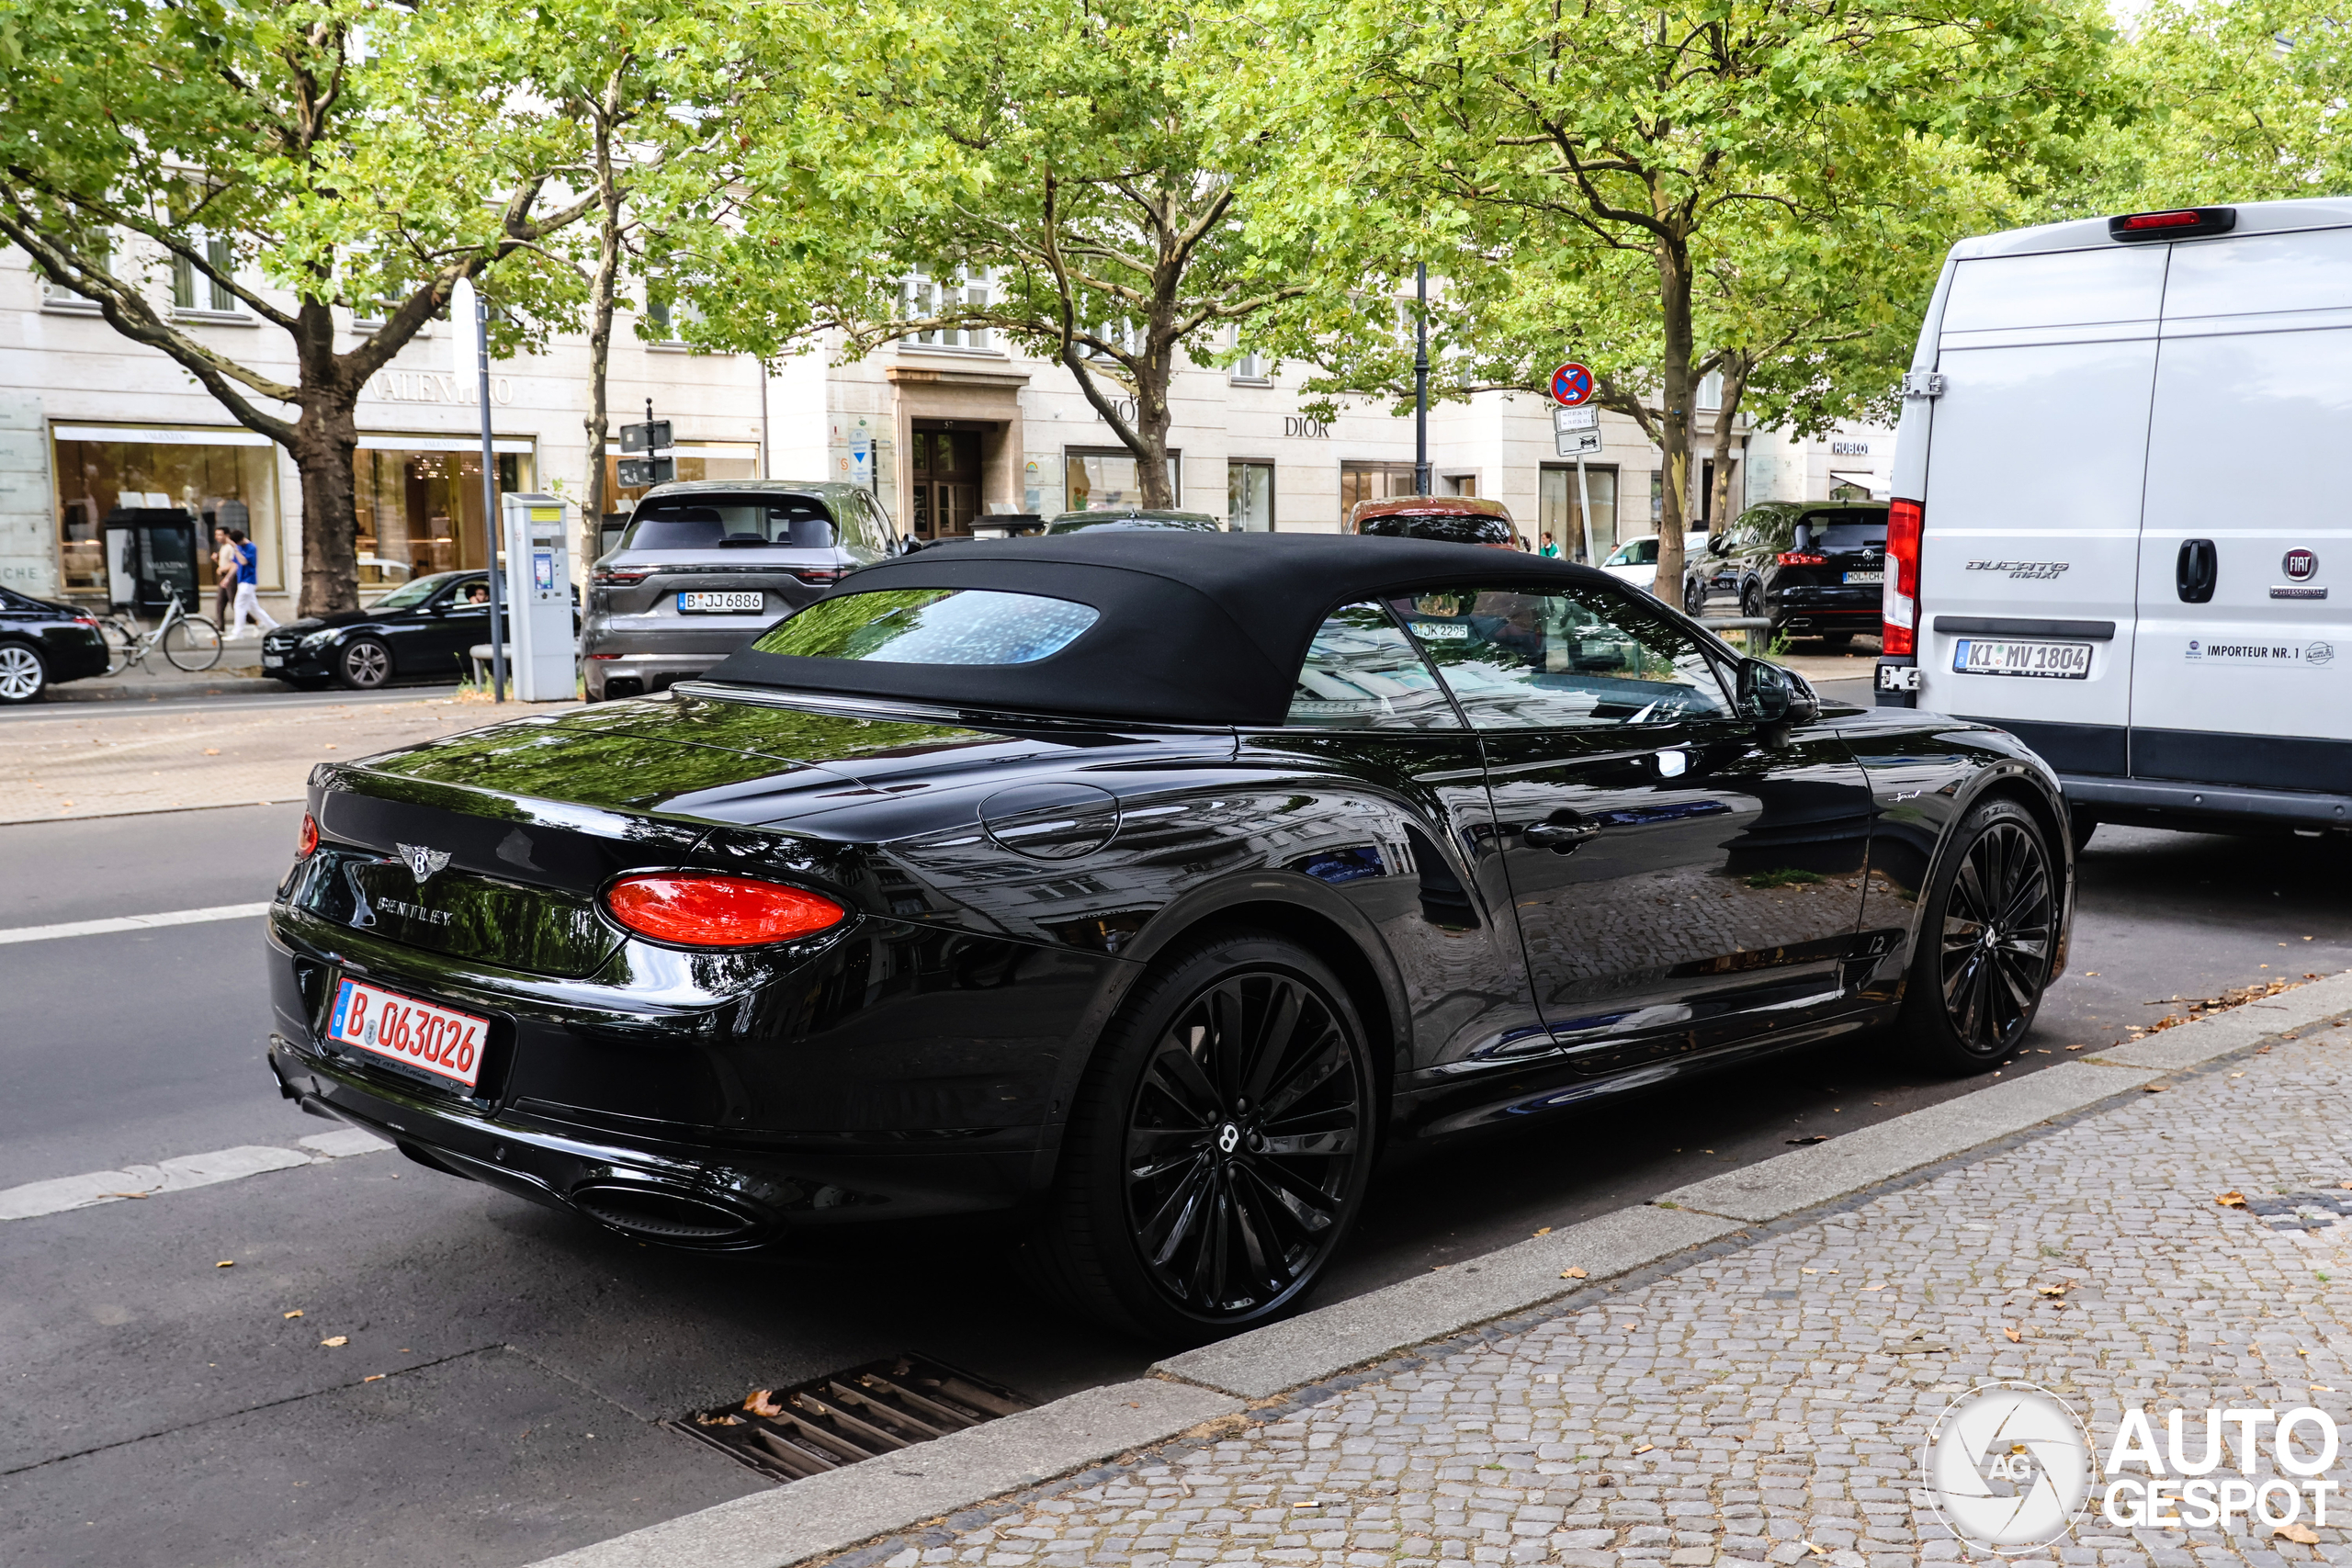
x=1372 y=481
x=225 y=478
x=1250 y=496
x=1559 y=514
x=1099 y=477
x=421 y=509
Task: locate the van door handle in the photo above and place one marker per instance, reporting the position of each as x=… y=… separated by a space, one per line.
x=1560 y=838
x=2199 y=568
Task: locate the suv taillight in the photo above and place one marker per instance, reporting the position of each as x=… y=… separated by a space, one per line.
x=620 y=576
x=1899 y=637
x=820 y=574
x=1797 y=557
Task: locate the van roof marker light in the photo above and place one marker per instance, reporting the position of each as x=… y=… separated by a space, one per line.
x=2181 y=224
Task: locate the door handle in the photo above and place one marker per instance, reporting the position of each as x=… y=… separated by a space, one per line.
x=2196 y=571
x=1560 y=838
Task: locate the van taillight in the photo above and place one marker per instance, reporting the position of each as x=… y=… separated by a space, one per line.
x=2183 y=223
x=1900 y=599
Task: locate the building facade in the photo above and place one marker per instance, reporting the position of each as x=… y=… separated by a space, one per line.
x=945 y=427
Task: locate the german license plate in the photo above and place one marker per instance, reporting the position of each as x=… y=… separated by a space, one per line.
x=441 y=1041
x=1866 y=577
x=2048 y=661
x=708 y=603
x=272 y=660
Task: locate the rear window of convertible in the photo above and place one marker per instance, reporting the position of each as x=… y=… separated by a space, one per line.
x=931 y=626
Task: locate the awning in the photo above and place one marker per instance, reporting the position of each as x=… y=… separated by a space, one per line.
x=237 y=436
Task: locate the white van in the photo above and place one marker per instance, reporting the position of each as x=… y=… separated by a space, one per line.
x=2122 y=529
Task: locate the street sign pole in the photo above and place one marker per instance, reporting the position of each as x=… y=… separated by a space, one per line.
x=1583 y=506
x=1421 y=380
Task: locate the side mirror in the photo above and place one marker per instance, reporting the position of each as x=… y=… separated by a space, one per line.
x=909 y=545
x=1772 y=695
x=1718 y=544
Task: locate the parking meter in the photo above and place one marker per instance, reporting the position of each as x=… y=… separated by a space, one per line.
x=538 y=598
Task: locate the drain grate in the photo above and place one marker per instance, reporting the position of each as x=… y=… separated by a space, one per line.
x=844 y=1417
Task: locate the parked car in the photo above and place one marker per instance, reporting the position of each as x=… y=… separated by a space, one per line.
x=2076 y=553
x=1634 y=562
x=708 y=564
x=1154 y=881
x=1133 y=517
x=1449 y=519
x=42 y=644
x=1810 y=567
x=420 y=630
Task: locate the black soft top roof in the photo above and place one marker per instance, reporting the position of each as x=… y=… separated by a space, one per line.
x=1195 y=628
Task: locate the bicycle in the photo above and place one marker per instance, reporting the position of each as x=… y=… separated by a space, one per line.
x=189 y=642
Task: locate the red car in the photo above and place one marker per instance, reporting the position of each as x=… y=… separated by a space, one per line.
x=1452 y=519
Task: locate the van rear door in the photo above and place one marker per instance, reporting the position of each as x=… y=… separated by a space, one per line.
x=2030 y=558
x=2243 y=669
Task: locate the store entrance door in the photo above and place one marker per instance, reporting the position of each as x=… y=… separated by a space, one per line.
x=945 y=493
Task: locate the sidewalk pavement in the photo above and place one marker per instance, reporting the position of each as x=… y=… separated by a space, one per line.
x=1755 y=1390
x=95 y=761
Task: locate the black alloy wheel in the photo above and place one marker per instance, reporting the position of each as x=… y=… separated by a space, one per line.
x=24 y=674
x=1987 y=942
x=1751 y=601
x=1694 y=596
x=1219 y=1148
x=364 y=664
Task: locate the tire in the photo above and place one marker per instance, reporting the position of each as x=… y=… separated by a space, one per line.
x=1751 y=601
x=1694 y=597
x=1175 y=1215
x=1976 y=984
x=119 y=639
x=24 y=673
x=1837 y=640
x=363 y=664
x=192 y=644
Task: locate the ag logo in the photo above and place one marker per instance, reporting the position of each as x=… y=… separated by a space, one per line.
x=2007 y=1468
x=2300 y=566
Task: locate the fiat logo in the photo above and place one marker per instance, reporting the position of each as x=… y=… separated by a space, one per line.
x=2299 y=566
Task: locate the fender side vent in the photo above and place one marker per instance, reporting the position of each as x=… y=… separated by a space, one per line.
x=842 y=1417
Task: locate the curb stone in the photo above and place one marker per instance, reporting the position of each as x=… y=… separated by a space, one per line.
x=829 y=1514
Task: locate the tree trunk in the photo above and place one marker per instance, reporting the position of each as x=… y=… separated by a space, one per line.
x=600 y=336
x=324 y=439
x=1151 y=429
x=1736 y=368
x=1674 y=428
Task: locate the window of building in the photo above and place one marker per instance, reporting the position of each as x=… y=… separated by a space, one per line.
x=1558 y=513
x=1252 y=368
x=1372 y=481
x=921 y=296
x=419 y=499
x=56 y=296
x=1460 y=484
x=225 y=477
x=1099 y=477
x=1250 y=496
x=193 y=291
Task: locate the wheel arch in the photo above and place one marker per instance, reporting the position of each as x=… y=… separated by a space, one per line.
x=2017 y=783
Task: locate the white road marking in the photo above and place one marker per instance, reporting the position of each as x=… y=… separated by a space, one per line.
x=132 y=923
x=55 y=1197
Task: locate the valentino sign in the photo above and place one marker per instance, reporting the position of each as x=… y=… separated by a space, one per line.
x=425 y=387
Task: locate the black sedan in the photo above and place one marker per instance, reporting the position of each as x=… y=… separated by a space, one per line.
x=42 y=644
x=1153 y=881
x=421 y=628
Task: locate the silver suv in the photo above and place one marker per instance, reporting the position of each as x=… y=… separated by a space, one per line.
x=706 y=566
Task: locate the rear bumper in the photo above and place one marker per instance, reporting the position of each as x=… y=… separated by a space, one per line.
x=2159 y=804
x=641 y=674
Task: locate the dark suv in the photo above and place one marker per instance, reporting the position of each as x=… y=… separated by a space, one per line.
x=1812 y=569
x=706 y=566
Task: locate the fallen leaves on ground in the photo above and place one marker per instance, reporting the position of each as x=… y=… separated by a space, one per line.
x=2154 y=1088
x=710 y=1420
x=338 y=1339
x=2077 y=1047
x=296 y=1312
x=1646 y=1448
x=2057 y=1289
x=226 y=1263
x=1815 y=1138
x=2204 y=1005
x=1545 y=1231
x=1814 y=1549
x=760 y=1405
x=1874 y=1287
x=373 y=1377
x=2233 y=1198
x=2015 y=1338
x=125 y=1194
x=1572 y=1274
x=212 y=750
x=2301 y=1535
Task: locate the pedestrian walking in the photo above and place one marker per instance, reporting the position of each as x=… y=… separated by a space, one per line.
x=1550 y=550
x=224 y=574
x=248 y=585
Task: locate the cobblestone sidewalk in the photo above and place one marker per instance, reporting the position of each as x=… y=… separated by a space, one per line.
x=1767 y=1401
x=97 y=760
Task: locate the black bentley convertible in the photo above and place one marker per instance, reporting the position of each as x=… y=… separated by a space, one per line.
x=1154 y=881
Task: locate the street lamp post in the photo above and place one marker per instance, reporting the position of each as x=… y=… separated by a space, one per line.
x=1421 y=378
x=489 y=507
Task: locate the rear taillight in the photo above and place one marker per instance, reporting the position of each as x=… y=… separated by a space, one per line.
x=1904 y=520
x=89 y=621
x=703 y=909
x=620 y=576
x=2183 y=223
x=307 y=844
x=1797 y=557
x=820 y=574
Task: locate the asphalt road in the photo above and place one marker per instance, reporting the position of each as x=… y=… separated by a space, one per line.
x=165 y=1411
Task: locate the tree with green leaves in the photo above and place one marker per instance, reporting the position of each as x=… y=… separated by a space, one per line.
x=1666 y=187
x=1041 y=169
x=306 y=157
